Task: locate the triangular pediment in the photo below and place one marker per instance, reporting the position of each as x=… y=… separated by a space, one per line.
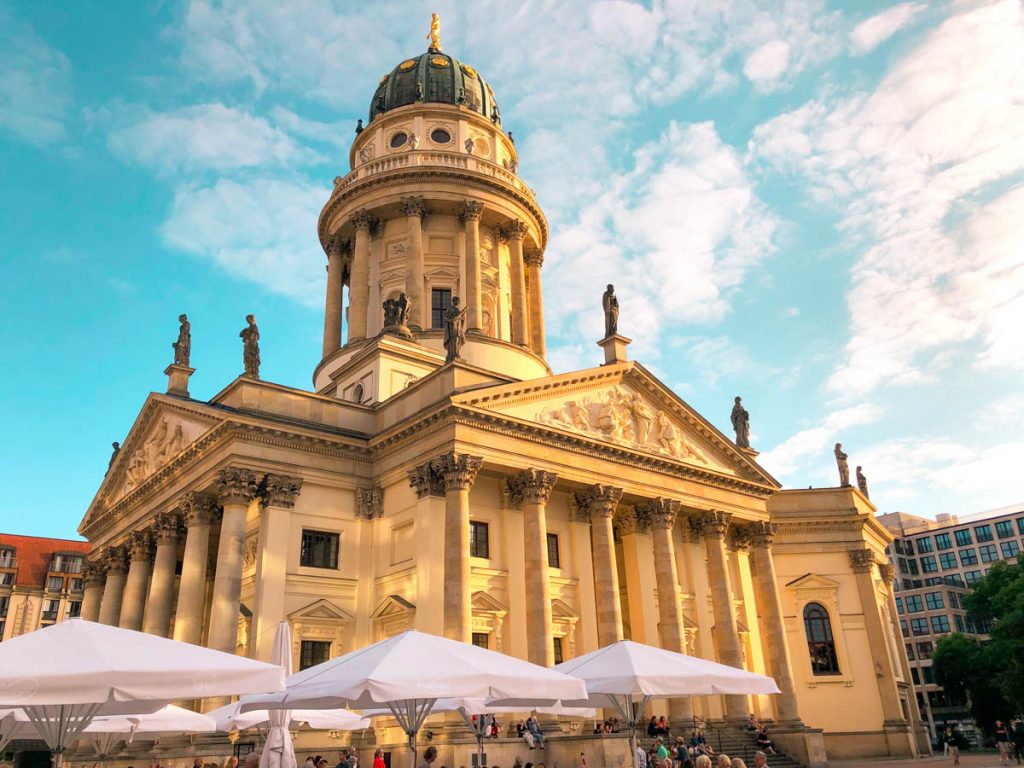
x=562 y=610
x=813 y=581
x=626 y=406
x=321 y=609
x=392 y=605
x=484 y=602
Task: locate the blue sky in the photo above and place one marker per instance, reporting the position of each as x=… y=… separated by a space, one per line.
x=817 y=206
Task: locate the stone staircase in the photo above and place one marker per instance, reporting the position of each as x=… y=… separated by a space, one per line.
x=736 y=742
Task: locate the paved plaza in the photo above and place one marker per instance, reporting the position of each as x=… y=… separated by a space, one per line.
x=977 y=759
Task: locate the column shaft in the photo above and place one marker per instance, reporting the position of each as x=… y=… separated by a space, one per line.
x=92 y=596
x=237 y=487
x=769 y=604
x=113 y=590
x=133 y=604
x=471 y=211
x=188 y=618
x=714 y=527
x=515 y=231
x=534 y=261
x=600 y=502
x=662 y=515
x=272 y=561
x=414 y=210
x=332 y=310
x=430 y=550
x=863 y=563
x=532 y=489
x=161 y=587
x=359 y=287
x=457 y=472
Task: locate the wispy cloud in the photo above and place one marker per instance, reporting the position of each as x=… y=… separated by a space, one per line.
x=786 y=458
x=872 y=32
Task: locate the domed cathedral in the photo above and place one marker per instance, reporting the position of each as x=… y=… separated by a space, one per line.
x=439 y=477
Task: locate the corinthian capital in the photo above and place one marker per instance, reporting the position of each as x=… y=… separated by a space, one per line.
x=629 y=520
x=140 y=546
x=457 y=470
x=711 y=525
x=739 y=538
x=198 y=508
x=425 y=481
x=531 y=486
x=660 y=512
x=762 y=534
x=363 y=219
x=165 y=528
x=116 y=559
x=887 y=572
x=471 y=210
x=336 y=244
x=598 y=501
x=94 y=572
x=534 y=257
x=862 y=560
x=237 y=486
x=514 y=230
x=413 y=206
x=369 y=503
x=281 y=490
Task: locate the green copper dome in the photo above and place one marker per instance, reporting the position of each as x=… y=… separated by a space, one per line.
x=438 y=78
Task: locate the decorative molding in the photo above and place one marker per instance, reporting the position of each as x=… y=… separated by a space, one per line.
x=237 y=485
x=280 y=490
x=115 y=559
x=369 y=503
x=711 y=525
x=629 y=520
x=534 y=257
x=166 y=528
x=514 y=230
x=337 y=244
x=94 y=573
x=761 y=534
x=887 y=572
x=425 y=481
x=250 y=552
x=363 y=219
x=413 y=206
x=738 y=538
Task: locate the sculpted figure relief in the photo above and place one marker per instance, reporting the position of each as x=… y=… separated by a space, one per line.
x=741 y=424
x=454 y=330
x=183 y=346
x=611 y=311
x=844 y=468
x=250 y=336
x=396 y=316
x=165 y=443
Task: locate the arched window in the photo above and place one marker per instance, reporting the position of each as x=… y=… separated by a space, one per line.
x=820 y=644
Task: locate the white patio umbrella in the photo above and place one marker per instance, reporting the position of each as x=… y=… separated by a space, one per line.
x=626 y=675
x=231 y=718
x=106 y=731
x=13 y=725
x=409 y=672
x=278 y=752
x=66 y=674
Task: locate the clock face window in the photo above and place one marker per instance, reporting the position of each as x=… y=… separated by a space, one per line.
x=399 y=140
x=440 y=136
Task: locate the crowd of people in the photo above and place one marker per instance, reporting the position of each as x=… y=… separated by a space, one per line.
x=1009 y=741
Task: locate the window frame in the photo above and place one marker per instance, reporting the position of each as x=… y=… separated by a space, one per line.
x=943 y=541
x=1009 y=549
x=934 y=602
x=822 y=652
x=440 y=302
x=1004 y=529
x=929 y=564
x=556 y=561
x=307 y=555
x=485 y=637
x=475 y=539
x=963 y=537
x=984 y=550
x=937 y=623
x=987 y=536
x=310 y=645
x=972 y=558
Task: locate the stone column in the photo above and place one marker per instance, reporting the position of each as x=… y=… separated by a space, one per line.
x=583 y=561
x=93 y=575
x=531 y=490
x=199 y=510
x=414 y=209
x=661 y=515
x=714 y=526
x=631 y=528
x=133 y=604
x=457 y=472
x=769 y=603
x=161 y=587
x=600 y=502
x=534 y=258
x=236 y=487
x=887 y=573
x=116 y=560
x=430 y=549
x=862 y=561
x=514 y=231
x=470 y=216
x=359 y=287
x=332 y=310
x=272 y=559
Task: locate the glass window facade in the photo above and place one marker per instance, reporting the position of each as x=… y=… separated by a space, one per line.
x=972 y=576
x=1010 y=549
x=968 y=557
x=948 y=561
x=942 y=541
x=940 y=624
x=479 y=539
x=934 y=601
x=820 y=644
x=1004 y=529
x=914 y=604
x=929 y=564
x=988 y=553
x=983 y=532
x=919 y=626
x=319 y=550
x=963 y=538
x=924 y=545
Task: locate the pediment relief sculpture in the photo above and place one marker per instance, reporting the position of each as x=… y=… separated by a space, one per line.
x=167 y=440
x=625 y=417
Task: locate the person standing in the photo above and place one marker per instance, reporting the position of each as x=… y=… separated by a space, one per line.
x=1002 y=733
x=641 y=756
x=378 y=759
x=949 y=745
x=429 y=756
x=1017 y=737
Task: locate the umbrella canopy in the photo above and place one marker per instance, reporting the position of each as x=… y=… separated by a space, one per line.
x=409 y=672
x=231 y=718
x=279 y=752
x=164 y=720
x=66 y=674
x=14 y=724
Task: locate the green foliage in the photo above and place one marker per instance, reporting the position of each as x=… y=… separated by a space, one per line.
x=989 y=675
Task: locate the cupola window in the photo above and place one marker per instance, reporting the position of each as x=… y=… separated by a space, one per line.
x=440 y=136
x=399 y=139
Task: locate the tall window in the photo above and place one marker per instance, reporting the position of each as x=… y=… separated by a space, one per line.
x=54 y=583
x=820 y=644
x=1004 y=529
x=557 y=641
x=7 y=557
x=983 y=532
x=74 y=609
x=924 y=545
x=1020 y=525
x=479 y=540
x=942 y=541
x=1010 y=549
x=963 y=537
x=50 y=610
x=5 y=602
x=481 y=639
x=440 y=301
x=988 y=553
x=553 y=559
x=319 y=550
x=313 y=652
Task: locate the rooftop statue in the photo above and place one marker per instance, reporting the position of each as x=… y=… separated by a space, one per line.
x=844 y=468
x=183 y=346
x=250 y=336
x=611 y=311
x=454 y=330
x=741 y=424
x=862 y=482
x=435 y=33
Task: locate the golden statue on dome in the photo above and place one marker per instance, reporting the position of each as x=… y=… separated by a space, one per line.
x=435 y=33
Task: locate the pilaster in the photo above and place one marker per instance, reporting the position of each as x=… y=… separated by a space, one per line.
x=414 y=210
x=470 y=216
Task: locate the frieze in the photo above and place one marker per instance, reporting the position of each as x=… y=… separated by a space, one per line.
x=166 y=442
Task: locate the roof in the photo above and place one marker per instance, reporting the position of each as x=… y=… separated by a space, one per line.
x=33 y=555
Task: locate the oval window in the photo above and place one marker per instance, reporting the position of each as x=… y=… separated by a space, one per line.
x=440 y=136
x=398 y=140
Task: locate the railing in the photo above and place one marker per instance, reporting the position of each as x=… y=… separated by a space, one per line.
x=435 y=159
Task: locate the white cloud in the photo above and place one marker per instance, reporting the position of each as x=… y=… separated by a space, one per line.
x=206 y=137
x=870 y=33
x=767 y=64
x=923 y=169
x=258 y=231
x=35 y=88
x=677 y=232
x=786 y=458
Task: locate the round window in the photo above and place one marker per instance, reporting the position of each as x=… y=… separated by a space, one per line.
x=398 y=140
x=440 y=136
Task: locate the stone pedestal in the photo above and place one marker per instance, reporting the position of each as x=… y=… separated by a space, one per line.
x=614 y=348
x=177 y=379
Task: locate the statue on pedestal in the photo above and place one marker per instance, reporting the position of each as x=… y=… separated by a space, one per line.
x=183 y=346
x=862 y=482
x=396 y=316
x=611 y=311
x=454 y=330
x=250 y=336
x=741 y=424
x=844 y=468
